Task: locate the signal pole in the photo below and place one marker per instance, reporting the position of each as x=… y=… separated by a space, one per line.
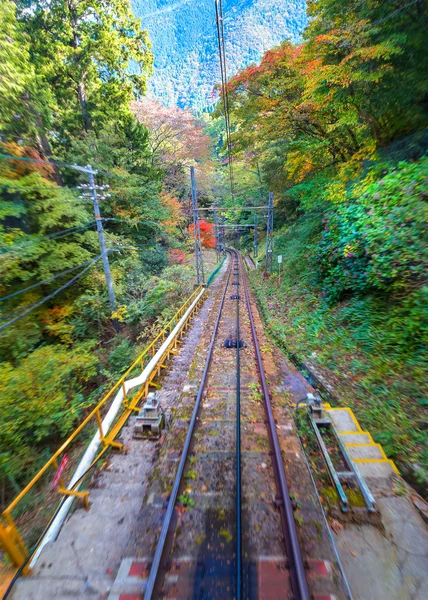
x=197 y=232
x=269 y=234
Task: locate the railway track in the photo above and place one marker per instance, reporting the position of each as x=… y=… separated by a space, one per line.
x=237 y=536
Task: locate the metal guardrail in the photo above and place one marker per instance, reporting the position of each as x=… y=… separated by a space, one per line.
x=10 y=538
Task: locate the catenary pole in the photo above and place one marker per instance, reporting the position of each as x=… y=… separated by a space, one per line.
x=269 y=234
x=256 y=242
x=197 y=232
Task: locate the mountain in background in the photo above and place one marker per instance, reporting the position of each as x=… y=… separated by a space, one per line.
x=185 y=48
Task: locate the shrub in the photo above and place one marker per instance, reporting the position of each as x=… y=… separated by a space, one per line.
x=374 y=242
x=40 y=401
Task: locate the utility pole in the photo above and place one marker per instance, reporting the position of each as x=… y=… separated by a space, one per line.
x=269 y=234
x=103 y=247
x=197 y=232
x=256 y=240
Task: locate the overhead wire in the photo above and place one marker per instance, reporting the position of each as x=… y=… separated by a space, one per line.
x=35 y=285
x=46 y=298
x=225 y=97
x=51 y=236
x=57 y=163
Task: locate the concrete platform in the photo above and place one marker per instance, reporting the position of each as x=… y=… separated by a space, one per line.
x=390 y=562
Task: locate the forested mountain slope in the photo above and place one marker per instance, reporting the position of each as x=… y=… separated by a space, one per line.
x=185 y=44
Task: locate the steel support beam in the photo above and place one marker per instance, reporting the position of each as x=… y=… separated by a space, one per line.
x=256 y=240
x=199 y=262
x=269 y=234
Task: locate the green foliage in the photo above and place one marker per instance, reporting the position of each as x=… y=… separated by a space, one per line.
x=372 y=349
x=121 y=357
x=154 y=260
x=40 y=400
x=374 y=241
x=84 y=50
x=15 y=70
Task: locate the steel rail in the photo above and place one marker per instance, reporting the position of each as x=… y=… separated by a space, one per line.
x=238 y=444
x=297 y=570
x=153 y=578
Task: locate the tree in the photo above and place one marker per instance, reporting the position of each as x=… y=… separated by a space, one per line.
x=15 y=68
x=84 y=51
x=177 y=140
x=207 y=233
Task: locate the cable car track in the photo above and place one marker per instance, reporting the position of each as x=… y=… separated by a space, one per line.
x=222 y=568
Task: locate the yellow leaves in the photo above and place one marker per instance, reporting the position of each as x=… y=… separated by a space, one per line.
x=299 y=164
x=57 y=323
x=335 y=192
x=120 y=314
x=172 y=204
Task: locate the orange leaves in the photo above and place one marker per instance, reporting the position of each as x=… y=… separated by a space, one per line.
x=15 y=169
x=207 y=233
x=174 y=208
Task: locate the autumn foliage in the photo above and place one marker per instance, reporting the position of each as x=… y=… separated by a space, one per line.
x=176 y=256
x=207 y=233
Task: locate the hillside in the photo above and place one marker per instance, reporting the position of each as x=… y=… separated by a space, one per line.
x=185 y=44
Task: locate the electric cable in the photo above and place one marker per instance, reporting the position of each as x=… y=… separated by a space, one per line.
x=46 y=298
x=31 y=287
x=50 y=236
x=56 y=163
x=223 y=72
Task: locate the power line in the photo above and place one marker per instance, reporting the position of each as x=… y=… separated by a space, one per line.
x=31 y=287
x=36 y=188
x=50 y=236
x=223 y=72
x=88 y=169
x=45 y=162
x=130 y=221
x=46 y=298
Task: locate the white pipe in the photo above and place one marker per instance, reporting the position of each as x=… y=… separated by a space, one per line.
x=91 y=451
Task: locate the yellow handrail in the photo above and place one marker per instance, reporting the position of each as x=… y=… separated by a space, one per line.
x=95 y=412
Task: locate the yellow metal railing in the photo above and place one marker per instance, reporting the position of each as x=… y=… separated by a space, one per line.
x=10 y=538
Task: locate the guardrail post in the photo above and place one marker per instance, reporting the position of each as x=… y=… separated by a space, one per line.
x=100 y=426
x=13 y=543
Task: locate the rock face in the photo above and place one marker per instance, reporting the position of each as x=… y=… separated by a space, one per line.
x=184 y=40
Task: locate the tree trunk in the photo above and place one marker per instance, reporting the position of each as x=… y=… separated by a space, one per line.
x=41 y=139
x=81 y=86
x=81 y=92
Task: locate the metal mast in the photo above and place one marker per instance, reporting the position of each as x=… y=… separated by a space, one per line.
x=269 y=234
x=217 y=236
x=221 y=235
x=256 y=240
x=197 y=232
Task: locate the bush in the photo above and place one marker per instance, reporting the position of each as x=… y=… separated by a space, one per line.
x=374 y=242
x=154 y=260
x=40 y=401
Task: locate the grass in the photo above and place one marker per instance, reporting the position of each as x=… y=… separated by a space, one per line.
x=362 y=353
